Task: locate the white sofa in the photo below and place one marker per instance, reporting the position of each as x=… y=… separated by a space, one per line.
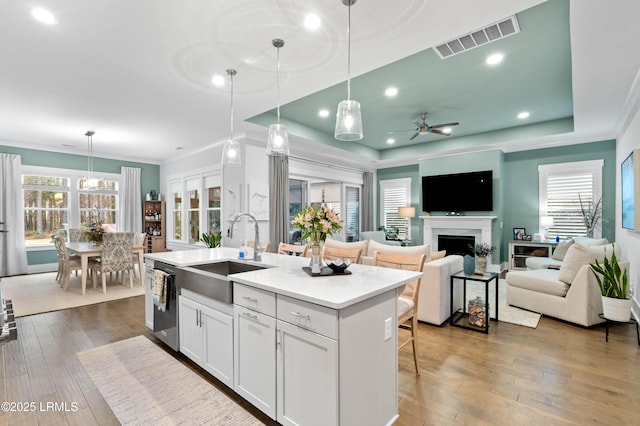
x=570 y=293
x=434 y=302
x=555 y=261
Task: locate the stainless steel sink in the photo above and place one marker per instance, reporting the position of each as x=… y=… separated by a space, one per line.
x=211 y=279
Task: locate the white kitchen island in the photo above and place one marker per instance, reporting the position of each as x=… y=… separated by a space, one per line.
x=305 y=350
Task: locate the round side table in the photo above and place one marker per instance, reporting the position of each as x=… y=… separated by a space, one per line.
x=608 y=321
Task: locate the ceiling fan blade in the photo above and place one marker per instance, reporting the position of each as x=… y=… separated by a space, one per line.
x=440 y=132
x=414 y=136
x=436 y=126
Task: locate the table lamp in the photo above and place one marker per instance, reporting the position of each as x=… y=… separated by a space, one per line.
x=546 y=222
x=407 y=212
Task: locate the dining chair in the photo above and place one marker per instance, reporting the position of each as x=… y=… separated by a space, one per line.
x=266 y=245
x=116 y=256
x=77 y=235
x=139 y=239
x=292 y=249
x=337 y=253
x=408 y=299
x=66 y=263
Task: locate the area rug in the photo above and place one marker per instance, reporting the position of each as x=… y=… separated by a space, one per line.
x=37 y=293
x=145 y=385
x=506 y=313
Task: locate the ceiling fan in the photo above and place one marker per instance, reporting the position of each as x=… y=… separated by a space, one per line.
x=423 y=128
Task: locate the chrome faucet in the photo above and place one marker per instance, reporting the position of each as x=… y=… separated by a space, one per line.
x=257 y=250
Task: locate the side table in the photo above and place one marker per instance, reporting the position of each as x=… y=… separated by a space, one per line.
x=608 y=321
x=486 y=279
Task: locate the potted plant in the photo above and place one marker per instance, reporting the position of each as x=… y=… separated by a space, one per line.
x=481 y=251
x=212 y=240
x=613 y=281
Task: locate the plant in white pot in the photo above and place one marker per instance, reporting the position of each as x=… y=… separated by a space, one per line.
x=613 y=281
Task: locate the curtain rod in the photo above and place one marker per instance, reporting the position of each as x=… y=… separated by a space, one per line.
x=330 y=166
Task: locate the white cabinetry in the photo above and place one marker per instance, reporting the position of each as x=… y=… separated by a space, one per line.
x=255 y=347
x=307 y=382
x=148 y=293
x=206 y=334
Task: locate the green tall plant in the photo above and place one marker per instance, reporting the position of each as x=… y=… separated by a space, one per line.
x=612 y=280
x=212 y=240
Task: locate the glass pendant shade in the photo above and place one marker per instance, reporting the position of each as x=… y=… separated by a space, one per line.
x=231 y=153
x=278 y=142
x=349 y=121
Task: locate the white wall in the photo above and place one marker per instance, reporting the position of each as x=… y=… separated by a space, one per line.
x=629 y=241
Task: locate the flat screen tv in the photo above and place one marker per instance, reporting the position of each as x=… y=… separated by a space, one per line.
x=459 y=192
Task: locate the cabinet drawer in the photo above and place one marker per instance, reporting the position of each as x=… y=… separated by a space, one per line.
x=255 y=299
x=318 y=319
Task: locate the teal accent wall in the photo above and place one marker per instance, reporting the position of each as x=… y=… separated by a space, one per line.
x=473 y=162
x=149 y=178
x=412 y=172
x=521 y=183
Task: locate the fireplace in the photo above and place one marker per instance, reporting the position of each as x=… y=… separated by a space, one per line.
x=456 y=244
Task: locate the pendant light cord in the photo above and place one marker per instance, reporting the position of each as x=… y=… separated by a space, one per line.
x=278 y=82
x=349 y=54
x=231 y=73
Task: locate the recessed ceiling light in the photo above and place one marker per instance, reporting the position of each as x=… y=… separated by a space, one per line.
x=323 y=113
x=523 y=115
x=495 y=59
x=391 y=141
x=217 y=80
x=446 y=130
x=312 y=21
x=43 y=16
x=391 y=91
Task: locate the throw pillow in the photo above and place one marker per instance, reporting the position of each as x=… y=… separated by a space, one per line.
x=438 y=254
x=561 y=250
x=376 y=246
x=577 y=256
x=585 y=241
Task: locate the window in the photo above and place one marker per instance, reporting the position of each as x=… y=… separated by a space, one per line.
x=54 y=202
x=394 y=193
x=297 y=201
x=46 y=207
x=352 y=216
x=563 y=187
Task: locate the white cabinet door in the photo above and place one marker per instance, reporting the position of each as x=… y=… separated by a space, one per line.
x=307 y=377
x=191 y=332
x=255 y=358
x=218 y=345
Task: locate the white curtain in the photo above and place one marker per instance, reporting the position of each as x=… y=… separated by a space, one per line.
x=278 y=200
x=13 y=255
x=130 y=212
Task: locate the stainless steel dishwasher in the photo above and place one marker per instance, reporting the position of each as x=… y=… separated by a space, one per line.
x=165 y=324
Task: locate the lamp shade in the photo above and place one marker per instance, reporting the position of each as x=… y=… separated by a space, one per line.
x=349 y=121
x=406 y=211
x=231 y=153
x=278 y=142
x=546 y=221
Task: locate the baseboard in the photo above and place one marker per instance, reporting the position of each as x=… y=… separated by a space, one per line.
x=41 y=268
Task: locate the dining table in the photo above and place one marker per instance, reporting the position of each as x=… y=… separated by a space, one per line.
x=85 y=250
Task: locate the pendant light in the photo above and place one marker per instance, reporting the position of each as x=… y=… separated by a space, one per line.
x=89 y=182
x=231 y=150
x=278 y=142
x=348 y=116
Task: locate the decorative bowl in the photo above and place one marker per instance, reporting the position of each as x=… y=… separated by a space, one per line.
x=338 y=265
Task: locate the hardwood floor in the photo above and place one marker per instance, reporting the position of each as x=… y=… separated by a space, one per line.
x=556 y=374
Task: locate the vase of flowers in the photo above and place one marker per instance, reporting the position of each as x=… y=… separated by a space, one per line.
x=481 y=252
x=315 y=224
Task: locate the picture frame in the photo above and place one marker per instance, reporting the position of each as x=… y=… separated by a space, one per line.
x=519 y=233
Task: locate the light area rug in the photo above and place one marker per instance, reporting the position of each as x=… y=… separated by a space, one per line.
x=144 y=385
x=38 y=293
x=506 y=313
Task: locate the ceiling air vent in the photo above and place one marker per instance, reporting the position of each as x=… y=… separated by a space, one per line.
x=477 y=38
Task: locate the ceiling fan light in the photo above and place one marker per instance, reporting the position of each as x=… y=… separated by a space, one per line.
x=349 y=121
x=231 y=153
x=278 y=142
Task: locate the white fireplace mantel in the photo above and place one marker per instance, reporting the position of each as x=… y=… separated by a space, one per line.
x=478 y=226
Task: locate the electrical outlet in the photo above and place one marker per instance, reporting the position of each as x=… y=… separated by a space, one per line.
x=387 y=329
